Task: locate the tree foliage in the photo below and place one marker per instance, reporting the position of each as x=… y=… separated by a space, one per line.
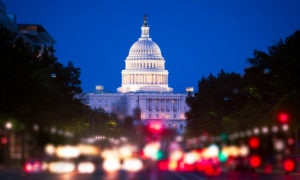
x=35 y=86
x=217 y=98
x=37 y=89
x=231 y=102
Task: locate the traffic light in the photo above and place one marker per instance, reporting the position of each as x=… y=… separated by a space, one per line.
x=155 y=127
x=254 y=142
x=283 y=117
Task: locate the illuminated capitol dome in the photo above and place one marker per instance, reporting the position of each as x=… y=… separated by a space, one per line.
x=144 y=66
x=144 y=87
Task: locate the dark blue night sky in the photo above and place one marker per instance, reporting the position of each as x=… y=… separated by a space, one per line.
x=196 y=37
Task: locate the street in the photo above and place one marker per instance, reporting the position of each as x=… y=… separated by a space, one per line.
x=151 y=174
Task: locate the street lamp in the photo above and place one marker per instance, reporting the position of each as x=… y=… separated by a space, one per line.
x=8 y=125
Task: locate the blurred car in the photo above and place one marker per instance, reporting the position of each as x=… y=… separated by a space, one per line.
x=81 y=164
x=86 y=167
x=61 y=166
x=34 y=166
x=87 y=164
x=238 y=164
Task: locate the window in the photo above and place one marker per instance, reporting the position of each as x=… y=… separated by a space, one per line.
x=168 y=105
x=157 y=104
x=157 y=107
x=174 y=103
x=150 y=104
x=162 y=106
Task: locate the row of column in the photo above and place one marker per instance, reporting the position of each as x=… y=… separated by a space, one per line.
x=145 y=79
x=145 y=65
x=153 y=104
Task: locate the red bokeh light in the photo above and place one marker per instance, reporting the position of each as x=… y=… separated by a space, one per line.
x=28 y=168
x=254 y=161
x=155 y=127
x=268 y=169
x=253 y=142
x=208 y=167
x=290 y=141
x=4 y=140
x=186 y=167
x=289 y=165
x=283 y=117
x=163 y=165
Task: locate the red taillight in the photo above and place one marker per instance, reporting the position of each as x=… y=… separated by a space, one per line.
x=4 y=140
x=163 y=165
x=28 y=167
x=186 y=167
x=268 y=169
x=35 y=166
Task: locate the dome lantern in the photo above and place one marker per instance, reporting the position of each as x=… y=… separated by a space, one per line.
x=145 y=29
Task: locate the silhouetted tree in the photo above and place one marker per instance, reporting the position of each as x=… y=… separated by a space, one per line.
x=217 y=98
x=230 y=102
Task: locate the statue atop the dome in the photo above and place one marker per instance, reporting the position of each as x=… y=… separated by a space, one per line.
x=145 y=20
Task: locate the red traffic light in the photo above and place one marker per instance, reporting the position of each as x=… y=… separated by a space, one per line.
x=155 y=127
x=254 y=142
x=283 y=117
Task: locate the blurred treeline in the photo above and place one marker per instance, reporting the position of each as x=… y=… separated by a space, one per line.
x=37 y=95
x=230 y=102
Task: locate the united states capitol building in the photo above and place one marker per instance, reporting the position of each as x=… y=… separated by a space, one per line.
x=144 y=88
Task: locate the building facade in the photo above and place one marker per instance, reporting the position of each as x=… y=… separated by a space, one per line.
x=144 y=87
x=34 y=34
x=19 y=145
